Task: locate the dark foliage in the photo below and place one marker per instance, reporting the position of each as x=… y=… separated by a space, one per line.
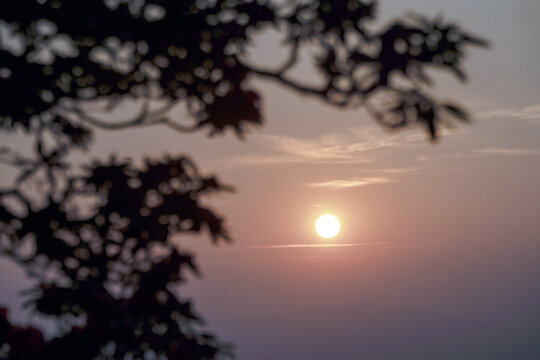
x=101 y=241
x=115 y=263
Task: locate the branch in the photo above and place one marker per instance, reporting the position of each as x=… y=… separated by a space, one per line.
x=279 y=75
x=292 y=58
x=137 y=120
x=144 y=118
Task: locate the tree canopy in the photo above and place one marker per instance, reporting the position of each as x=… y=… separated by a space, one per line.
x=100 y=239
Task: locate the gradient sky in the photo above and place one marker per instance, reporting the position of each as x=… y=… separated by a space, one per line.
x=443 y=255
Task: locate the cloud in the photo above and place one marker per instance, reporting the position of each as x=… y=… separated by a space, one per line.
x=331 y=147
x=287 y=149
x=483 y=152
x=355 y=146
x=530 y=112
x=349 y=183
x=346 y=148
x=327 y=245
x=454 y=156
x=509 y=151
x=262 y=160
x=397 y=170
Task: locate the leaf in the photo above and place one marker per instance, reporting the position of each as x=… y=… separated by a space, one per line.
x=457 y=112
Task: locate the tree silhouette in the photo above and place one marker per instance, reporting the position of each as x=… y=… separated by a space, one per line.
x=101 y=239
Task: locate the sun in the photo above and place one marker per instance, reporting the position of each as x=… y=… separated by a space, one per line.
x=327 y=226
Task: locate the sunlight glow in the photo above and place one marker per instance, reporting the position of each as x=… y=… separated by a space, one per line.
x=327 y=226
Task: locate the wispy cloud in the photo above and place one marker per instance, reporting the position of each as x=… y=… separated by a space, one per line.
x=397 y=170
x=530 y=112
x=354 y=146
x=328 y=245
x=483 y=152
x=453 y=156
x=509 y=151
x=349 y=183
x=287 y=149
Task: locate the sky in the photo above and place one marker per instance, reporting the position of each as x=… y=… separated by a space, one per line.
x=439 y=252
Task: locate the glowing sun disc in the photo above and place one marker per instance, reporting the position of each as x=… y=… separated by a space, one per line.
x=327 y=226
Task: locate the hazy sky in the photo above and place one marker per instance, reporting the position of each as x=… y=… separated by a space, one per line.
x=444 y=261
